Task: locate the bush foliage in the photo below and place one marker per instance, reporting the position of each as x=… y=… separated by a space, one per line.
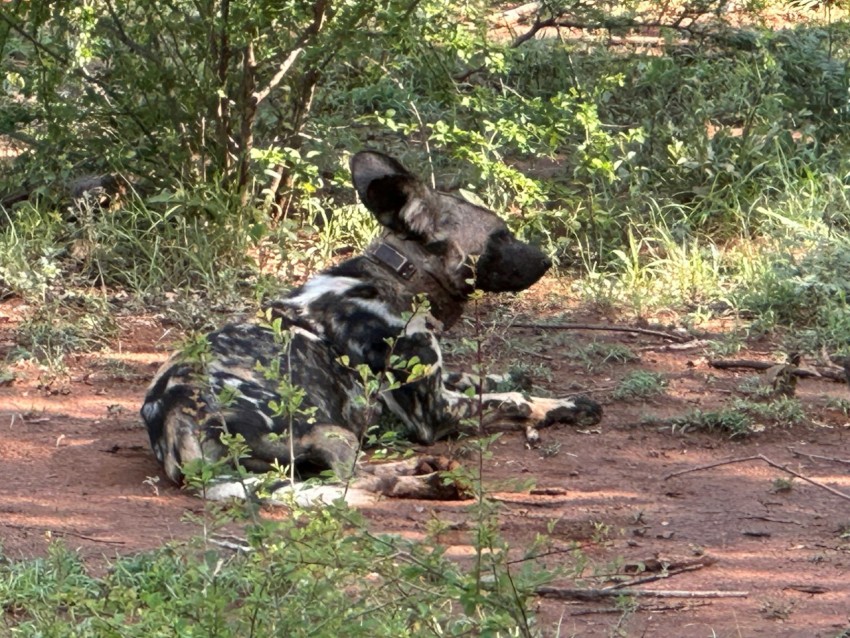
x=231 y=120
x=319 y=573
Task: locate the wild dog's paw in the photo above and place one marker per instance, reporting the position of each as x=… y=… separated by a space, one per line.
x=421 y=477
x=578 y=410
x=431 y=464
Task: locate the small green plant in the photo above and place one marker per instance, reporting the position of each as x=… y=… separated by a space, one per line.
x=7 y=376
x=728 y=421
x=729 y=344
x=319 y=572
x=64 y=324
x=839 y=403
x=602 y=532
x=782 y=485
x=639 y=385
x=753 y=386
x=114 y=368
x=776 y=608
x=599 y=353
x=550 y=449
x=780 y=411
x=744 y=417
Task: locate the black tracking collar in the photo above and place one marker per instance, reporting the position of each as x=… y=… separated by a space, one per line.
x=394 y=260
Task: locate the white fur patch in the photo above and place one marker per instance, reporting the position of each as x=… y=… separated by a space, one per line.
x=300 y=494
x=296 y=330
x=314 y=495
x=418 y=221
x=152 y=411
x=322 y=285
x=379 y=309
x=227 y=490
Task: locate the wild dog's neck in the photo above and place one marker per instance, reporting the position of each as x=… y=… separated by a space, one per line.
x=419 y=272
x=360 y=305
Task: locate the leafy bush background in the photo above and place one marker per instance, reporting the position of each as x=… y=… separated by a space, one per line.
x=673 y=174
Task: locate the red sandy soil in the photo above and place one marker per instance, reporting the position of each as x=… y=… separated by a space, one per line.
x=75 y=464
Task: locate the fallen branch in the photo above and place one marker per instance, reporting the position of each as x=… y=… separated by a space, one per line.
x=677 y=347
x=519 y=500
x=653 y=608
x=770 y=519
x=762 y=457
x=818 y=457
x=595 y=326
x=57 y=532
x=809 y=589
x=86 y=538
x=654 y=577
x=753 y=364
x=599 y=594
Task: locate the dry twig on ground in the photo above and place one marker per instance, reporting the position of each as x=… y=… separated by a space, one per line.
x=818 y=457
x=566 y=593
x=761 y=457
x=834 y=374
x=662 y=575
x=653 y=608
x=603 y=327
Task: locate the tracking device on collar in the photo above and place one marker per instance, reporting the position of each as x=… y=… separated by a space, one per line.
x=392 y=258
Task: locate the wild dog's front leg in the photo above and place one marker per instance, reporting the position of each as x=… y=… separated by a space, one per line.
x=419 y=478
x=513 y=410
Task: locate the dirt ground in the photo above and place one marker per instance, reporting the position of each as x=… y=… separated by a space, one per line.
x=75 y=463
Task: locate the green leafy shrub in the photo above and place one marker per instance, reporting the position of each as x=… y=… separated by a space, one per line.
x=321 y=572
x=639 y=385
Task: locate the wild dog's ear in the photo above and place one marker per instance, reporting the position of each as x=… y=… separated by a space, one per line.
x=390 y=192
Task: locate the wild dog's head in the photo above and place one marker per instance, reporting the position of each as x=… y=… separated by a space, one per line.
x=456 y=240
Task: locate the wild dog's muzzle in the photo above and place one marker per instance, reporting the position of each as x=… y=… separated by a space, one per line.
x=509 y=265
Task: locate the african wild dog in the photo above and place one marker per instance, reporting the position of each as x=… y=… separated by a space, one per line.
x=433 y=246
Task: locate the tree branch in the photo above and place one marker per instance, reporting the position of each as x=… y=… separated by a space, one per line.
x=558 y=22
x=249 y=112
x=662 y=575
x=282 y=70
x=131 y=44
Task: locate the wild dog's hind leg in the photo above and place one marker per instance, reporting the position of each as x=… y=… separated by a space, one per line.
x=328 y=445
x=322 y=446
x=176 y=434
x=513 y=410
x=463 y=381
